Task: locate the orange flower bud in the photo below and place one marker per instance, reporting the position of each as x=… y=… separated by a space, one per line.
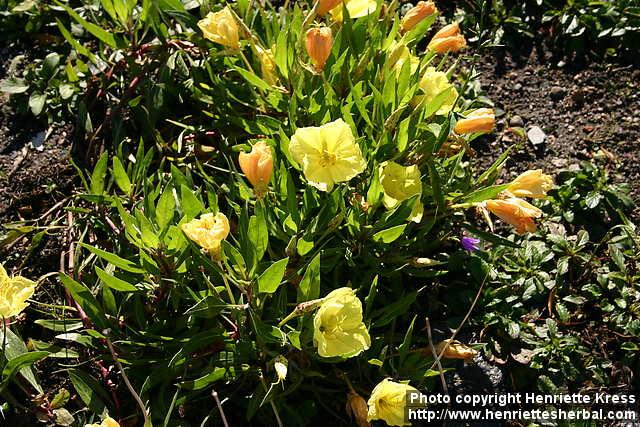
x=456 y=350
x=480 y=120
x=357 y=409
x=318 y=43
x=516 y=212
x=448 y=39
x=416 y=14
x=532 y=183
x=325 y=6
x=257 y=166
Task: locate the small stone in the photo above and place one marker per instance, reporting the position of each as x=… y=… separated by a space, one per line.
x=561 y=64
x=588 y=128
x=536 y=135
x=557 y=93
x=517 y=86
x=516 y=121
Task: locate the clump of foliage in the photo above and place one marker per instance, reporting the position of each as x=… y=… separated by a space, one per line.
x=579 y=29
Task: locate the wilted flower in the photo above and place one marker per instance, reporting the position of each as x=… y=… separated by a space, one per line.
x=280 y=366
x=107 y=422
x=470 y=243
x=356 y=9
x=532 y=183
x=221 y=27
x=14 y=292
x=448 y=39
x=257 y=166
x=516 y=212
x=416 y=14
x=357 y=409
x=267 y=65
x=318 y=42
x=327 y=154
x=388 y=402
x=209 y=231
x=433 y=83
x=325 y=6
x=398 y=54
x=456 y=350
x=401 y=183
x=480 y=120
x=338 y=326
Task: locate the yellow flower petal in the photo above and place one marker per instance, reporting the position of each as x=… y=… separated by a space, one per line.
x=532 y=183
x=401 y=183
x=327 y=154
x=356 y=9
x=208 y=231
x=221 y=27
x=388 y=402
x=433 y=83
x=14 y=293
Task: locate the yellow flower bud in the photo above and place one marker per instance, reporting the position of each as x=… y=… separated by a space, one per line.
x=357 y=409
x=456 y=350
x=338 y=326
x=325 y=6
x=209 y=231
x=532 y=183
x=397 y=54
x=221 y=27
x=401 y=183
x=516 y=212
x=257 y=166
x=480 y=120
x=388 y=402
x=416 y=14
x=448 y=39
x=14 y=292
x=328 y=154
x=433 y=83
x=267 y=65
x=107 y=422
x=318 y=42
x=356 y=9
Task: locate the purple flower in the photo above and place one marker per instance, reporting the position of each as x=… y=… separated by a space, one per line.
x=470 y=243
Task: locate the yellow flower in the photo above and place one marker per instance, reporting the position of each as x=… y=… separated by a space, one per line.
x=456 y=350
x=416 y=14
x=257 y=166
x=267 y=65
x=434 y=83
x=318 y=43
x=14 y=292
x=208 y=231
x=448 y=39
x=516 y=212
x=338 y=326
x=398 y=54
x=400 y=183
x=532 y=183
x=388 y=402
x=327 y=154
x=480 y=120
x=356 y=9
x=221 y=27
x=107 y=422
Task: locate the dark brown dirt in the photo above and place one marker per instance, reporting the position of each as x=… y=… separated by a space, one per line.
x=583 y=112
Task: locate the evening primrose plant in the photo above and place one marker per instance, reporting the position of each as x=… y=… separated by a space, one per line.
x=289 y=226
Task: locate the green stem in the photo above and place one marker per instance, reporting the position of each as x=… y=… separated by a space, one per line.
x=226 y=284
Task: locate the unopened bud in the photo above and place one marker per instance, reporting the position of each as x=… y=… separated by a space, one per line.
x=318 y=43
x=357 y=409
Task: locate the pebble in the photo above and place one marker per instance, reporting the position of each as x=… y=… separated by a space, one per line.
x=518 y=86
x=516 y=121
x=557 y=93
x=536 y=135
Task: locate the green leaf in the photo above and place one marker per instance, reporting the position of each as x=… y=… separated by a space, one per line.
x=113 y=282
x=191 y=205
x=120 y=176
x=258 y=234
x=36 y=103
x=13 y=85
x=22 y=361
x=436 y=185
x=216 y=375
x=103 y=35
x=390 y=234
x=89 y=390
x=253 y=79
x=13 y=346
x=484 y=194
x=165 y=208
x=309 y=287
x=99 y=174
x=368 y=301
x=270 y=279
x=395 y=309
x=114 y=259
x=85 y=299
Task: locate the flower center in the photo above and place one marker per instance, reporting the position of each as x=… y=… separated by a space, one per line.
x=327 y=159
